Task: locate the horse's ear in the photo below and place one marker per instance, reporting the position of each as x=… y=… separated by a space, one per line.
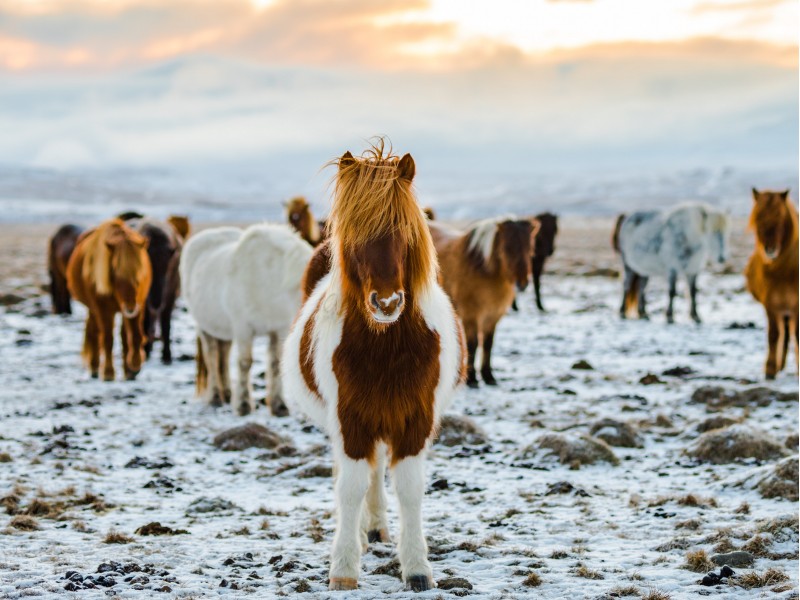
x=115 y=237
x=785 y=194
x=406 y=167
x=756 y=194
x=346 y=160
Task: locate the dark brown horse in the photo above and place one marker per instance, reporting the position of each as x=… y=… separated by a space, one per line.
x=164 y=250
x=543 y=249
x=772 y=273
x=480 y=269
x=298 y=214
x=60 y=249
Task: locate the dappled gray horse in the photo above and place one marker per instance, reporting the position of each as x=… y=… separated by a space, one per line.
x=676 y=241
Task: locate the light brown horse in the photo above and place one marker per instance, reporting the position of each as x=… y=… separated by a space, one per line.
x=298 y=213
x=110 y=272
x=374 y=358
x=479 y=271
x=772 y=272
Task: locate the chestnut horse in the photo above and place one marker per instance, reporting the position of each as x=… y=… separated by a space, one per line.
x=109 y=272
x=299 y=216
x=479 y=270
x=60 y=248
x=164 y=249
x=772 y=272
x=374 y=358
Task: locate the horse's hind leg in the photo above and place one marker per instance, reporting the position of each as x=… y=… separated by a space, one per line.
x=166 y=327
x=471 y=333
x=375 y=521
x=149 y=329
x=538 y=267
x=244 y=348
x=693 y=297
x=409 y=482
x=224 y=369
x=629 y=280
x=642 y=301
x=106 y=323
x=784 y=345
x=91 y=345
x=210 y=346
x=276 y=403
x=673 y=285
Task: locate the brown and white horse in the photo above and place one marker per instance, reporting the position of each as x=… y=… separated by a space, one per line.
x=480 y=269
x=772 y=272
x=374 y=358
x=298 y=213
x=110 y=272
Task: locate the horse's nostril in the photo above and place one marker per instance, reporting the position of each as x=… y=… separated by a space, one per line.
x=402 y=298
x=373 y=299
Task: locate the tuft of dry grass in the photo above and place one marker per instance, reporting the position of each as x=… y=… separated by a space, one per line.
x=316 y=531
x=758 y=545
x=10 y=503
x=5 y=457
x=654 y=594
x=24 y=523
x=624 y=591
x=115 y=537
x=692 y=524
x=559 y=554
x=698 y=561
x=692 y=500
x=243 y=531
x=532 y=580
x=743 y=509
x=758 y=580
x=724 y=546
x=587 y=573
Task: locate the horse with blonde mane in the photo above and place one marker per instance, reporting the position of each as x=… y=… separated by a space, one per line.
x=374 y=358
x=480 y=268
x=109 y=271
x=298 y=213
x=772 y=273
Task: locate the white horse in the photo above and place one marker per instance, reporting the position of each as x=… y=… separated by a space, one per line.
x=240 y=284
x=676 y=241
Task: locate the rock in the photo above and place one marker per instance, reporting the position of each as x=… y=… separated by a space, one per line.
x=583 y=365
x=782 y=482
x=11 y=299
x=717 y=398
x=565 y=487
x=210 y=505
x=721 y=446
x=740 y=558
x=156 y=528
x=718 y=422
x=616 y=433
x=679 y=371
x=575 y=450
x=457 y=430
x=250 y=435
x=650 y=379
x=454 y=583
x=792 y=441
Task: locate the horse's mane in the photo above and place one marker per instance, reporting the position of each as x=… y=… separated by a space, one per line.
x=480 y=237
x=373 y=199
x=125 y=260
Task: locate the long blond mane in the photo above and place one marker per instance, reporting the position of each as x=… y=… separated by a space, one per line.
x=123 y=257
x=372 y=199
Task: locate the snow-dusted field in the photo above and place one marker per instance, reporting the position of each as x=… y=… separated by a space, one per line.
x=86 y=458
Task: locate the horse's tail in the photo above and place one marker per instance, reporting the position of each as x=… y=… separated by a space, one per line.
x=632 y=293
x=202 y=369
x=615 y=236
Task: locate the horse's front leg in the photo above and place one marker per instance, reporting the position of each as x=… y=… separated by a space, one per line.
x=274 y=352
x=673 y=286
x=106 y=323
x=376 y=524
x=773 y=337
x=538 y=267
x=409 y=483
x=642 y=301
x=693 y=297
x=91 y=344
x=223 y=369
x=471 y=333
x=486 y=358
x=166 y=328
x=149 y=329
x=351 y=483
x=244 y=348
x=211 y=363
x=133 y=355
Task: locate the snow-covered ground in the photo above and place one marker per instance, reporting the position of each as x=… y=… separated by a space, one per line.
x=144 y=450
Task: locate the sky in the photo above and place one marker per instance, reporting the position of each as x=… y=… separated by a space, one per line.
x=482 y=84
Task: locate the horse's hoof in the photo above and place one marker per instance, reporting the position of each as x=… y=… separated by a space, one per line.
x=279 y=409
x=166 y=360
x=670 y=320
x=420 y=583
x=340 y=584
x=108 y=376
x=488 y=378
x=769 y=376
x=244 y=409
x=541 y=308
x=131 y=375
x=227 y=396
x=95 y=375
x=375 y=536
x=472 y=383
x=216 y=401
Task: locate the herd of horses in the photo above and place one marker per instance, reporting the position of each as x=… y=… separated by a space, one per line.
x=374 y=317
